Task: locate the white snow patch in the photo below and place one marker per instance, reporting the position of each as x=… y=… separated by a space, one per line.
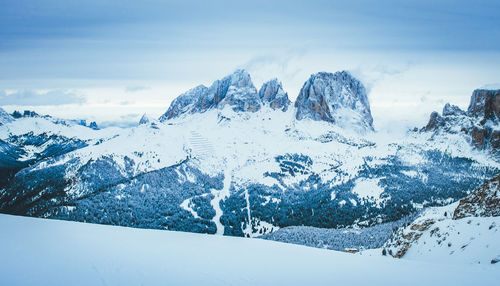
x=367 y=188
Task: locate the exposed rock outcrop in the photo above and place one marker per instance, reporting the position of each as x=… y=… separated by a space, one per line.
x=144 y=119
x=235 y=90
x=485 y=104
x=480 y=123
x=93 y=125
x=452 y=110
x=338 y=98
x=271 y=93
x=484 y=201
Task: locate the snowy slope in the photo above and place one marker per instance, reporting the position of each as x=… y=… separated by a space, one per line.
x=216 y=168
x=5 y=117
x=435 y=236
x=53 y=126
x=50 y=252
x=469 y=240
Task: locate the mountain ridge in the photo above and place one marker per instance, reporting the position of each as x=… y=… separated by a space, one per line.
x=337 y=98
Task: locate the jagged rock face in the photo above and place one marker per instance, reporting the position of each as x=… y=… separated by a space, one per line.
x=189 y=102
x=235 y=90
x=485 y=104
x=144 y=119
x=433 y=225
x=480 y=122
x=483 y=202
x=338 y=98
x=93 y=125
x=271 y=93
x=450 y=113
x=435 y=121
x=5 y=117
x=452 y=110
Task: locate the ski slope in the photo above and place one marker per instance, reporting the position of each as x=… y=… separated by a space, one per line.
x=50 y=252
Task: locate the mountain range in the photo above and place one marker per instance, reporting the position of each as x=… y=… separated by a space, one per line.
x=230 y=159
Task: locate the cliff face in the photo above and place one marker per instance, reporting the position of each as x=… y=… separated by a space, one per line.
x=480 y=122
x=235 y=90
x=461 y=231
x=272 y=94
x=338 y=98
x=483 y=202
x=485 y=104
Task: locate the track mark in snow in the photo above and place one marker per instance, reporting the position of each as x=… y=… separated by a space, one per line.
x=220 y=195
x=248 y=229
x=200 y=145
x=186 y=205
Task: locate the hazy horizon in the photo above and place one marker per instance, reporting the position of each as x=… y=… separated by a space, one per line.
x=111 y=62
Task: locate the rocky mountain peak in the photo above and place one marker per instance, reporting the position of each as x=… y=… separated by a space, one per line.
x=144 y=119
x=479 y=123
x=272 y=93
x=188 y=102
x=338 y=98
x=452 y=110
x=240 y=78
x=235 y=90
x=485 y=103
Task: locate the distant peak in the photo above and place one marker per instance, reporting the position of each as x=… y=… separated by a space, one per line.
x=144 y=119
x=335 y=97
x=450 y=109
x=235 y=90
x=272 y=93
x=485 y=103
x=239 y=78
x=5 y=117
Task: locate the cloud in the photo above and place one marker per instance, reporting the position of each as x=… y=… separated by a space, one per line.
x=130 y=116
x=36 y=98
x=491 y=86
x=371 y=75
x=277 y=64
x=136 y=88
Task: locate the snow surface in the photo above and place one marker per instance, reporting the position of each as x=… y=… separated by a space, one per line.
x=54 y=126
x=50 y=252
x=368 y=189
x=468 y=240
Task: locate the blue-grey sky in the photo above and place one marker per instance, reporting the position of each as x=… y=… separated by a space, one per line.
x=114 y=60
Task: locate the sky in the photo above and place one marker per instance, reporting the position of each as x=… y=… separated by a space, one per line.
x=112 y=61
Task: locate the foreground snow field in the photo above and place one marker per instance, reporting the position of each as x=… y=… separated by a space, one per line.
x=50 y=252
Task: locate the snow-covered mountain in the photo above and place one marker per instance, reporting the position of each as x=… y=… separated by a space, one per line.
x=337 y=98
x=467 y=231
x=25 y=141
x=5 y=117
x=236 y=91
x=228 y=159
x=479 y=124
